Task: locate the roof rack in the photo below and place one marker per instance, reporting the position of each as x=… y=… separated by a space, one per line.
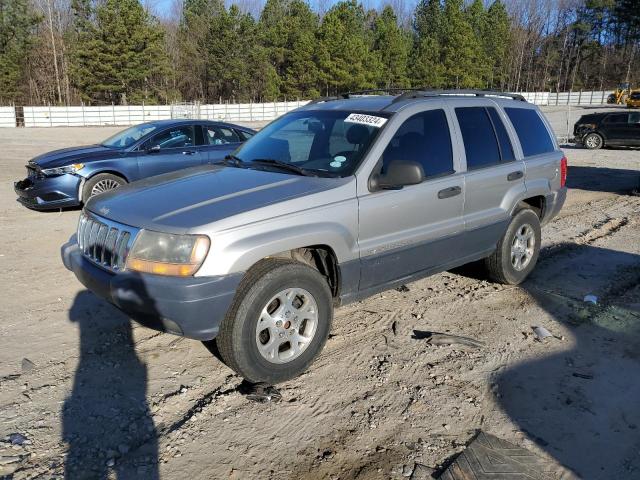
x=426 y=93
x=412 y=93
x=347 y=95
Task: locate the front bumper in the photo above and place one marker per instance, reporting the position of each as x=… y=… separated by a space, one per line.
x=192 y=307
x=45 y=193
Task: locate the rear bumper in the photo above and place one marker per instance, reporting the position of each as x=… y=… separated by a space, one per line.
x=554 y=203
x=192 y=307
x=48 y=192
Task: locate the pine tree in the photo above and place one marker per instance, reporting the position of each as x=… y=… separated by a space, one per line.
x=345 y=59
x=16 y=36
x=426 y=55
x=497 y=37
x=392 y=45
x=195 y=38
x=123 y=59
x=288 y=29
x=477 y=17
x=458 y=48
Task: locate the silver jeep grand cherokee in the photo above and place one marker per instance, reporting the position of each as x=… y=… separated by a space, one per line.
x=328 y=204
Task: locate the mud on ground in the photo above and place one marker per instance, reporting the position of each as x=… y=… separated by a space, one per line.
x=95 y=395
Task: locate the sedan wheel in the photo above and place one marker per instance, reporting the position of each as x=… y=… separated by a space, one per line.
x=104 y=186
x=101 y=183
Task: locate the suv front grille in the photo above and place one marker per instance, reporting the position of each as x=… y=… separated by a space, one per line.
x=104 y=242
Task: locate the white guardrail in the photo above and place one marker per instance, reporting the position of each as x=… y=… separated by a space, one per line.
x=80 y=116
x=110 y=115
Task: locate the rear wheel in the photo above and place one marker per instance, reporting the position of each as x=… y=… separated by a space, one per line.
x=517 y=251
x=101 y=183
x=593 y=141
x=278 y=323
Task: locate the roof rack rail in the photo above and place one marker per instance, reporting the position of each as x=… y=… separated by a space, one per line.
x=322 y=99
x=379 y=90
x=425 y=93
x=347 y=95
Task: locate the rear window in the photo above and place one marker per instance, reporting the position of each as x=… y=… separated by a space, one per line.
x=532 y=133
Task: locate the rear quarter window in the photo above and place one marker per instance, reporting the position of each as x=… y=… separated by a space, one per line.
x=532 y=132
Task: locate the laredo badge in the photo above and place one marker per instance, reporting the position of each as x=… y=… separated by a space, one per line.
x=370 y=120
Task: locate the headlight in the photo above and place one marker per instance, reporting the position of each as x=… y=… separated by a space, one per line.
x=167 y=254
x=591 y=126
x=62 y=170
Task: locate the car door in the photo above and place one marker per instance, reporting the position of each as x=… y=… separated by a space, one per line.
x=493 y=178
x=219 y=141
x=171 y=149
x=615 y=128
x=409 y=232
x=633 y=136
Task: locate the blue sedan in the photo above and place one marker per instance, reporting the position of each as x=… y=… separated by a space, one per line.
x=69 y=177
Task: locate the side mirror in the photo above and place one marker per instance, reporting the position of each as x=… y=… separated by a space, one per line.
x=399 y=174
x=153 y=149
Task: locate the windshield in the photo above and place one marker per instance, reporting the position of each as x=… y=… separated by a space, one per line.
x=327 y=142
x=128 y=137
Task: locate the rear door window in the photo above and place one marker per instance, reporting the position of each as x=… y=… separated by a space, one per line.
x=532 y=132
x=506 y=149
x=244 y=135
x=220 y=135
x=480 y=143
x=423 y=138
x=616 y=118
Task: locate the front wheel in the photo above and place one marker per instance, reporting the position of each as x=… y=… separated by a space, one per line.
x=278 y=323
x=101 y=183
x=517 y=251
x=593 y=141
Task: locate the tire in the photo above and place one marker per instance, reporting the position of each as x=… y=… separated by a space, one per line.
x=251 y=348
x=500 y=265
x=593 y=141
x=101 y=181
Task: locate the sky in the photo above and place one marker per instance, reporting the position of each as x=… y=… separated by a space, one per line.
x=165 y=8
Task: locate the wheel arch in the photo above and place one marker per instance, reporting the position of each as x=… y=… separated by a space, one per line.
x=93 y=174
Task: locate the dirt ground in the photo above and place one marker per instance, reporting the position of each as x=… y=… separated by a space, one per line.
x=97 y=396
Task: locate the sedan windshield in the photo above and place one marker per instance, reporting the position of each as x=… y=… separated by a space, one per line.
x=322 y=142
x=128 y=137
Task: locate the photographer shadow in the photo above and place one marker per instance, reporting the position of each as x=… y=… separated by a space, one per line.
x=106 y=418
x=582 y=405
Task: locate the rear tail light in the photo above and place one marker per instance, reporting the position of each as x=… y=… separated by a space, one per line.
x=563 y=171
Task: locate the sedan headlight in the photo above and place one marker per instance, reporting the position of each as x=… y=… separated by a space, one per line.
x=62 y=170
x=167 y=254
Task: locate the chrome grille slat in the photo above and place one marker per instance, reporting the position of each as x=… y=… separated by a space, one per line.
x=105 y=242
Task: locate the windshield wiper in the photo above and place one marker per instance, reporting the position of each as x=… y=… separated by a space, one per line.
x=285 y=166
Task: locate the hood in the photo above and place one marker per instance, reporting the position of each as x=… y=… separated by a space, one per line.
x=181 y=201
x=68 y=156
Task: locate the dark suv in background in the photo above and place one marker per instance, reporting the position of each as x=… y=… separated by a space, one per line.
x=615 y=129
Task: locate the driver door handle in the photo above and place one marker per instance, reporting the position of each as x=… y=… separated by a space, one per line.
x=449 y=192
x=189 y=152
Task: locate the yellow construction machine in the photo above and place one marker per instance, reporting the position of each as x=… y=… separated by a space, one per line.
x=620 y=94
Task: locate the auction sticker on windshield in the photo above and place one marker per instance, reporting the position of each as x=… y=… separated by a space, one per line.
x=362 y=119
